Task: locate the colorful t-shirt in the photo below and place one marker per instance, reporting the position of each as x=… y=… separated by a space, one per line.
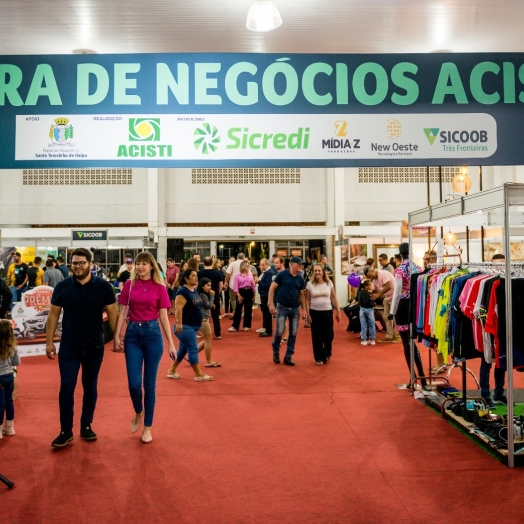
x=146 y=299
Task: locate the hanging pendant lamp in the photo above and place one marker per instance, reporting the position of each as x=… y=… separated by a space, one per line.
x=461 y=183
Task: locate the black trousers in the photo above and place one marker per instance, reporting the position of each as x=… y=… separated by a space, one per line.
x=226 y=301
x=267 y=319
x=404 y=335
x=247 y=305
x=70 y=360
x=322 y=334
x=215 y=316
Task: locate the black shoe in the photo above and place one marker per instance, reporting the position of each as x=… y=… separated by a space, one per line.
x=288 y=361
x=63 y=439
x=265 y=335
x=87 y=433
x=276 y=359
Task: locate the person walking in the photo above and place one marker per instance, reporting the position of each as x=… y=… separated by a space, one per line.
x=367 y=314
x=52 y=275
x=9 y=359
x=82 y=297
x=290 y=286
x=232 y=270
x=320 y=301
x=208 y=304
x=35 y=274
x=172 y=272
x=125 y=275
x=188 y=305
x=215 y=276
x=17 y=277
x=145 y=302
x=264 y=283
x=244 y=288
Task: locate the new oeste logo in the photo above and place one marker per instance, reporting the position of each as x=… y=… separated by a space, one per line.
x=207 y=138
x=144 y=129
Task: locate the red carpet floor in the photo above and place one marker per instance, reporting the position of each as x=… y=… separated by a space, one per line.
x=261 y=444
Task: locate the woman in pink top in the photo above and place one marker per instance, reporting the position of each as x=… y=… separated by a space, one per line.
x=244 y=288
x=145 y=301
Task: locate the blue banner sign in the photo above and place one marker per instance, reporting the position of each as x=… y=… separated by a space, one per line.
x=249 y=110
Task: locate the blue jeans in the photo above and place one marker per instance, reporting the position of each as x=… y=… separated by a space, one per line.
x=144 y=346
x=7 y=384
x=500 y=375
x=17 y=295
x=69 y=361
x=367 y=321
x=188 y=344
x=282 y=314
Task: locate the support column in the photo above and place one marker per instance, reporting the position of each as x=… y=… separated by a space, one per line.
x=156 y=206
x=339 y=215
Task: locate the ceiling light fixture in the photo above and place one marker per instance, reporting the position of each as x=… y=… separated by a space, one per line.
x=461 y=183
x=263 y=16
x=450 y=238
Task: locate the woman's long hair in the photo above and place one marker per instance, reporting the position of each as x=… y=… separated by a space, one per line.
x=243 y=266
x=325 y=276
x=146 y=256
x=7 y=340
x=201 y=283
x=193 y=263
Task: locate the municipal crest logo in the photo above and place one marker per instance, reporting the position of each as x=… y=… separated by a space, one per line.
x=61 y=132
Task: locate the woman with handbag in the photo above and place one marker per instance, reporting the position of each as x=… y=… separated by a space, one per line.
x=146 y=303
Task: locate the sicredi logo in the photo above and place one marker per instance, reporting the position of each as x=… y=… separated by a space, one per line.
x=144 y=129
x=243 y=138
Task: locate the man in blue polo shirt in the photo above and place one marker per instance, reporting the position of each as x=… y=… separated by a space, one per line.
x=83 y=297
x=290 y=285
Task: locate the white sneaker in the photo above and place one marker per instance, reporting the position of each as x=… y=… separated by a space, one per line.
x=8 y=428
x=231 y=329
x=371 y=343
x=247 y=329
x=364 y=343
x=261 y=330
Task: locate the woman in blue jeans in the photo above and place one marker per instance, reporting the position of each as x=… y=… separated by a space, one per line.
x=144 y=302
x=188 y=305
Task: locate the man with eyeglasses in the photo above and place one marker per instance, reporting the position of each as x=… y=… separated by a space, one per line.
x=82 y=297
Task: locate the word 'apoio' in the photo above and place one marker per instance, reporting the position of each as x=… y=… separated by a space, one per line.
x=247 y=84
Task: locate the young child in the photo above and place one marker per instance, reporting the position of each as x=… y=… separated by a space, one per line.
x=367 y=314
x=8 y=359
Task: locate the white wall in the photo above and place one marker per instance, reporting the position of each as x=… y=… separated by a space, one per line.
x=198 y=203
x=90 y=204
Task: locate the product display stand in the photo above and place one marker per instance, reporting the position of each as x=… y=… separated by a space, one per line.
x=487 y=208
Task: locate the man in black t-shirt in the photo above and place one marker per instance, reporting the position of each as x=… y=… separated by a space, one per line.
x=82 y=298
x=17 y=276
x=217 y=279
x=291 y=286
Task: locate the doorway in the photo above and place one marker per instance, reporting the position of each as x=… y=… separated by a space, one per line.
x=255 y=251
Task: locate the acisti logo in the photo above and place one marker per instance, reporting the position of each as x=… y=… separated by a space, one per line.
x=431 y=134
x=207 y=139
x=144 y=130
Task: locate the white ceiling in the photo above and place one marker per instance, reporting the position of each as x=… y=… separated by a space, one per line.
x=309 y=26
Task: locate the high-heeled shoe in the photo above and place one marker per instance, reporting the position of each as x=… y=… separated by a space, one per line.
x=135 y=424
x=146 y=435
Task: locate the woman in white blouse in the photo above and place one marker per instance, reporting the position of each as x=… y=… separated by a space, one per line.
x=320 y=302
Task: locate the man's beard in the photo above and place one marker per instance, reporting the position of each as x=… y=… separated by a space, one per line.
x=83 y=275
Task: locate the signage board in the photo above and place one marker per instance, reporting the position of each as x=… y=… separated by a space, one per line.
x=261 y=110
x=88 y=235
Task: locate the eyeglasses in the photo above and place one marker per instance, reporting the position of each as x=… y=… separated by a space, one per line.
x=81 y=264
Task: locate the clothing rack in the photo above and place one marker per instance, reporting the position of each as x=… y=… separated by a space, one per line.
x=485 y=208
